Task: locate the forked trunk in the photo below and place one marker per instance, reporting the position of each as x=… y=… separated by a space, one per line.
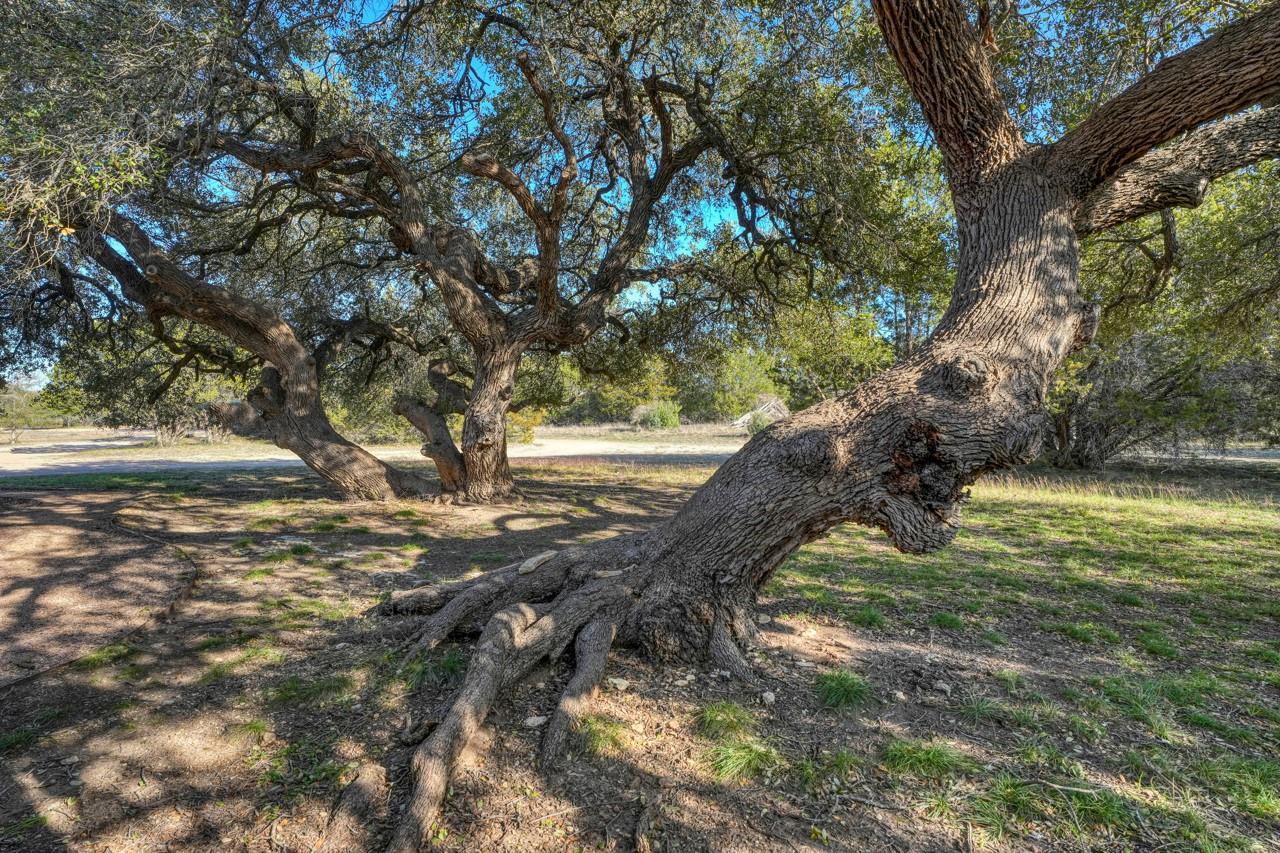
x=438 y=445
x=479 y=471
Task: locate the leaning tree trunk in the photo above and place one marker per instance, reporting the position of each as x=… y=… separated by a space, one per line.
x=286 y=406
x=896 y=453
x=484 y=426
x=287 y=410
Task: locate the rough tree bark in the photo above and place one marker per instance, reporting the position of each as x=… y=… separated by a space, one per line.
x=484 y=428
x=898 y=452
x=286 y=404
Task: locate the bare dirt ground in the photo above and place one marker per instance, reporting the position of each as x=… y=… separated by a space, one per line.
x=1103 y=678
x=98 y=451
x=72 y=580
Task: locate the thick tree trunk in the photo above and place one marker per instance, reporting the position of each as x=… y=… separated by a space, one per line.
x=484 y=426
x=478 y=472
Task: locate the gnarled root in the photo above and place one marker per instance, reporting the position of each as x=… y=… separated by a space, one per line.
x=512 y=642
x=591 y=653
x=539 y=607
x=362 y=805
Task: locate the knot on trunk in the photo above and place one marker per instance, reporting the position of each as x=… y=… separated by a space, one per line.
x=1021 y=441
x=400 y=239
x=269 y=397
x=966 y=373
x=920 y=468
x=240 y=418
x=1086 y=325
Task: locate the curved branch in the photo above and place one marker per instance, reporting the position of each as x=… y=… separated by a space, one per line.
x=484 y=166
x=1179 y=175
x=1236 y=67
x=569 y=171
x=331 y=151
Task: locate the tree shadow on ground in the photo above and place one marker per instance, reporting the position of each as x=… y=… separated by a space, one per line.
x=235 y=724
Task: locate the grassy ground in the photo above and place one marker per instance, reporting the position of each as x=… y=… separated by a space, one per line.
x=1137 y=624
x=1094 y=664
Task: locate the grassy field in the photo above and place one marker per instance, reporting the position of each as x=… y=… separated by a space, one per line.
x=1140 y=622
x=1094 y=664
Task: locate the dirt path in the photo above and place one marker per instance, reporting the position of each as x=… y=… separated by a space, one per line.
x=59 y=452
x=72 y=581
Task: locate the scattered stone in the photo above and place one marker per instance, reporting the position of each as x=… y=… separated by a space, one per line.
x=942 y=687
x=768 y=698
x=534 y=722
x=619 y=683
x=899 y=696
x=763 y=618
x=70 y=759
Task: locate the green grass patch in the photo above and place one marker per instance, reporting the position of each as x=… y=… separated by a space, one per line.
x=979 y=709
x=1157 y=644
x=742 y=758
x=946 y=621
x=314 y=691
x=724 y=719
x=840 y=689
x=1250 y=785
x=433 y=670
x=827 y=771
x=22 y=826
x=933 y=760
x=106 y=656
x=867 y=617
x=602 y=736
x=17 y=739
x=1082 y=632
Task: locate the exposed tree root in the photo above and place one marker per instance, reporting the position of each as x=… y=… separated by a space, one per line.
x=362 y=805
x=513 y=641
x=534 y=610
x=726 y=654
x=646 y=822
x=591 y=653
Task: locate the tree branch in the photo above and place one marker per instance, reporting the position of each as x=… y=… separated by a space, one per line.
x=1227 y=72
x=332 y=151
x=569 y=171
x=1180 y=174
x=950 y=73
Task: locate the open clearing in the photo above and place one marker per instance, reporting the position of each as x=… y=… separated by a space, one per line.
x=59 y=452
x=1094 y=664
